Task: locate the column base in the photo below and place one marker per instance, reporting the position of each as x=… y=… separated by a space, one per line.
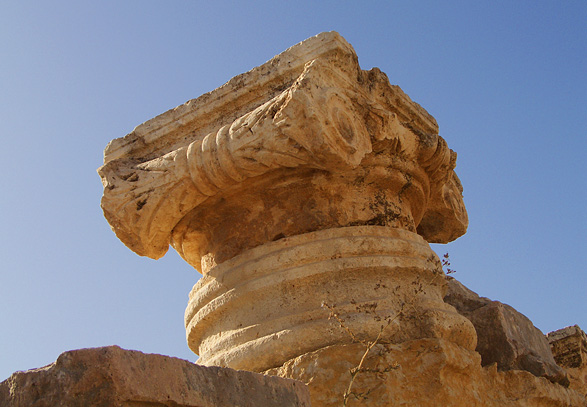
x=264 y=307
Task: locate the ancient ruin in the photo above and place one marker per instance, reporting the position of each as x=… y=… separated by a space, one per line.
x=569 y=347
x=306 y=192
x=111 y=376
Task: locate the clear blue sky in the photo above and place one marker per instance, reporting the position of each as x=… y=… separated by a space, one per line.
x=505 y=80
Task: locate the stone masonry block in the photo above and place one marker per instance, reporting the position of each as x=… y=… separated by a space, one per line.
x=111 y=376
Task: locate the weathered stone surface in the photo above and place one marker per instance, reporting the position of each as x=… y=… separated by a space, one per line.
x=307 y=141
x=569 y=347
x=464 y=300
x=263 y=307
x=423 y=373
x=505 y=336
x=112 y=376
x=509 y=339
x=304 y=180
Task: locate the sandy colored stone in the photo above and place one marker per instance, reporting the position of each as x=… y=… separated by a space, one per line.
x=307 y=141
x=306 y=180
x=309 y=181
x=423 y=373
x=112 y=376
x=569 y=346
x=264 y=307
x=504 y=335
x=462 y=298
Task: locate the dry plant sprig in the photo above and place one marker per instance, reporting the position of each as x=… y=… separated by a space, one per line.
x=341 y=322
x=370 y=308
x=446 y=264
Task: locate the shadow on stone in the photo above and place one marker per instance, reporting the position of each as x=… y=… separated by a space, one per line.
x=505 y=336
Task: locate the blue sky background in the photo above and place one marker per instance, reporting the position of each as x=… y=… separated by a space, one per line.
x=504 y=79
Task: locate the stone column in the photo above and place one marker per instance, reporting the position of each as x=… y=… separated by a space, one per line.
x=304 y=181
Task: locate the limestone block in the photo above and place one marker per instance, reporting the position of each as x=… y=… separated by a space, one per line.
x=505 y=336
x=423 y=373
x=112 y=376
x=464 y=300
x=509 y=339
x=569 y=347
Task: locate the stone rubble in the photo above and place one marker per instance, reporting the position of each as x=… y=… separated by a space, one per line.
x=569 y=346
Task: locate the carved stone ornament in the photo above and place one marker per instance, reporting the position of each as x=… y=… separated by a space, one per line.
x=304 y=142
x=304 y=180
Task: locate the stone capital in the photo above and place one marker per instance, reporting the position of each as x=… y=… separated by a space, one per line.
x=355 y=149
